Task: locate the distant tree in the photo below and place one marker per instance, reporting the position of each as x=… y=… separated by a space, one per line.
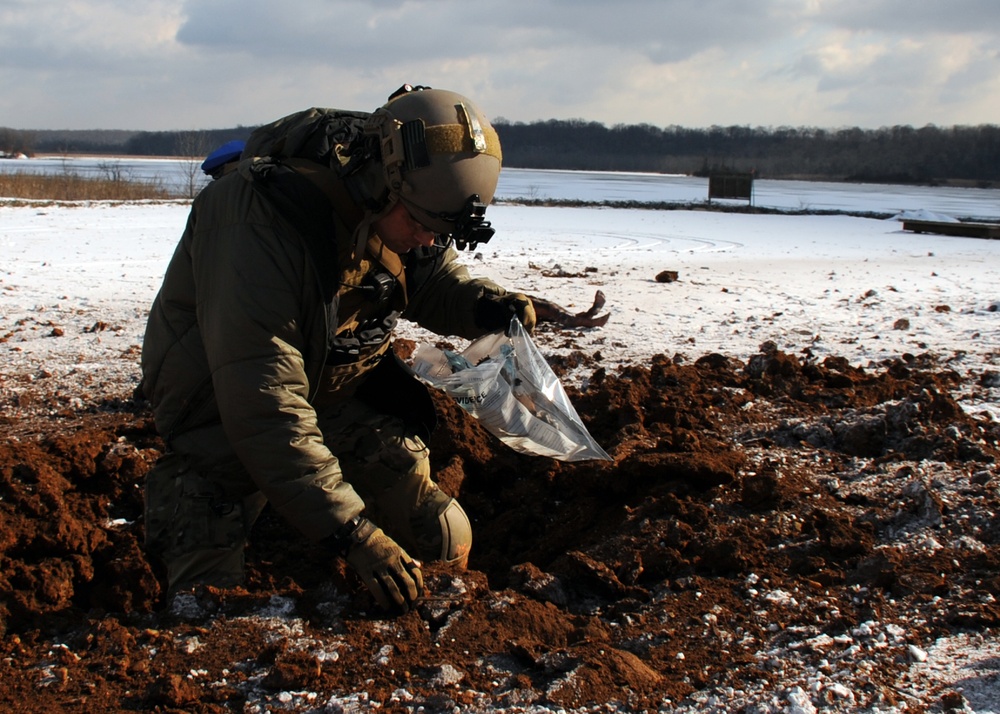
x=15 y=141
x=114 y=171
x=893 y=153
x=193 y=146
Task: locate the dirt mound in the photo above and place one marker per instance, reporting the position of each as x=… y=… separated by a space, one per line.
x=780 y=520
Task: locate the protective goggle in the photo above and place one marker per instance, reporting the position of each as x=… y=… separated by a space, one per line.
x=468 y=228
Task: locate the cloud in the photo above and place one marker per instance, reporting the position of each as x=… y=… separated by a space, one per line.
x=908 y=17
x=373 y=33
x=160 y=64
x=43 y=35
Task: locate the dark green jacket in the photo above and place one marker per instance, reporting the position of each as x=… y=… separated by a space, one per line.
x=239 y=336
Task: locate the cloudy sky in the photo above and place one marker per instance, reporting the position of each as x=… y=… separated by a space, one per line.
x=203 y=64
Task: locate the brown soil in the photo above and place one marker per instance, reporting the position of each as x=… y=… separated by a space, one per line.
x=759 y=519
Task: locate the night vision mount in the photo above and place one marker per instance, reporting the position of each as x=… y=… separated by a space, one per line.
x=471 y=228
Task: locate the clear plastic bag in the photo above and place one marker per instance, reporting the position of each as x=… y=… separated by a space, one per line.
x=505 y=382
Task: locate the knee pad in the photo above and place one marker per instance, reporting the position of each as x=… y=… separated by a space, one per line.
x=456 y=535
x=442 y=530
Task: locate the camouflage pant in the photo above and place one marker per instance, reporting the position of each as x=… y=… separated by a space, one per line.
x=201 y=504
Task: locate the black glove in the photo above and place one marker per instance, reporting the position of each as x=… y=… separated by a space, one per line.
x=493 y=312
x=392 y=576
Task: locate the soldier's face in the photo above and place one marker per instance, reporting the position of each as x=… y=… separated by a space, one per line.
x=400 y=232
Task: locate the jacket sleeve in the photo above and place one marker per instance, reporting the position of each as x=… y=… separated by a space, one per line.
x=443 y=294
x=251 y=313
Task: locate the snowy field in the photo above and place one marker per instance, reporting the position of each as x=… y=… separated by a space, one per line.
x=76 y=280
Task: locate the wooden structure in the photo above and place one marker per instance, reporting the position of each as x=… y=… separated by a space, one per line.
x=954 y=228
x=731 y=185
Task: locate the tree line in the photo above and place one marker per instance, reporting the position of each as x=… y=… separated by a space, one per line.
x=897 y=154
x=100 y=142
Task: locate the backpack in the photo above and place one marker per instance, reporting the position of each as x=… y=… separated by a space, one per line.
x=307 y=137
x=311 y=134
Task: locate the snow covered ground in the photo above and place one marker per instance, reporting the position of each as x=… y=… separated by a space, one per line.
x=76 y=282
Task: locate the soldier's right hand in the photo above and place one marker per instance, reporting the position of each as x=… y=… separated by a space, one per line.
x=493 y=312
x=392 y=576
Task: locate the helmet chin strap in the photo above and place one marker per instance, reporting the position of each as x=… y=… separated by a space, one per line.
x=365 y=179
x=364 y=228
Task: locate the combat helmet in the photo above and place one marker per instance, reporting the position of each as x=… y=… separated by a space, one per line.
x=441 y=158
